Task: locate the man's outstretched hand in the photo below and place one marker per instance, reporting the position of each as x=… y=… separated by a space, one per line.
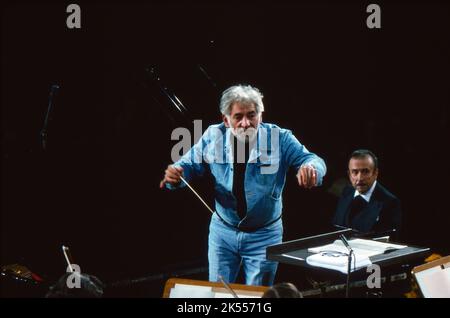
x=172 y=175
x=307 y=176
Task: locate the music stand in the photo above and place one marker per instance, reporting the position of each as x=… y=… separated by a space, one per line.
x=295 y=253
x=241 y=290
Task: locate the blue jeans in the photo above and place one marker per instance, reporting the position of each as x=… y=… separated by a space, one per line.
x=229 y=248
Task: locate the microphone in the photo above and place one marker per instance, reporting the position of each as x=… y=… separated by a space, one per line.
x=54 y=88
x=68 y=257
x=346 y=244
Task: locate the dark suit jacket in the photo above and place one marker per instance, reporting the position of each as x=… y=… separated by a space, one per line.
x=382 y=213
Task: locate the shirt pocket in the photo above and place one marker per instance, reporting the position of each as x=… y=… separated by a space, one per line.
x=268 y=178
x=276 y=192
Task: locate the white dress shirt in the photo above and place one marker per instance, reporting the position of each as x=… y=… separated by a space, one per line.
x=366 y=196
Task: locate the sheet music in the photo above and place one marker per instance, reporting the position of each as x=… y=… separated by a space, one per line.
x=338 y=261
x=335 y=256
x=361 y=247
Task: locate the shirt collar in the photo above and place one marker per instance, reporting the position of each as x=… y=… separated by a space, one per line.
x=366 y=196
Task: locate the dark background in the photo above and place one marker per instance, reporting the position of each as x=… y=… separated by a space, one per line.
x=335 y=83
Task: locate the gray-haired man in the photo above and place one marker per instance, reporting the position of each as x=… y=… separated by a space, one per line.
x=248 y=160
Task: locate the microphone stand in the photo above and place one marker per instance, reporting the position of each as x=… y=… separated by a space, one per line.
x=228 y=287
x=350 y=254
x=54 y=88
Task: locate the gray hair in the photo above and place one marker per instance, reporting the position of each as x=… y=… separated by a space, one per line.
x=244 y=94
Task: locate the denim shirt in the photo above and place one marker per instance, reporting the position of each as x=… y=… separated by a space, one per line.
x=276 y=150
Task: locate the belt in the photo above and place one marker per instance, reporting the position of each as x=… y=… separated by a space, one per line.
x=247 y=229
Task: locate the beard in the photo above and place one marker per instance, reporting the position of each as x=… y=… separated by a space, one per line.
x=247 y=135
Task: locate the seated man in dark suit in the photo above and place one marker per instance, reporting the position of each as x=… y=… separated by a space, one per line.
x=367 y=206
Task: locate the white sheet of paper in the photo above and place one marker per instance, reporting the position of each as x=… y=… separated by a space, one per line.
x=228 y=295
x=191 y=291
x=434 y=282
x=362 y=248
